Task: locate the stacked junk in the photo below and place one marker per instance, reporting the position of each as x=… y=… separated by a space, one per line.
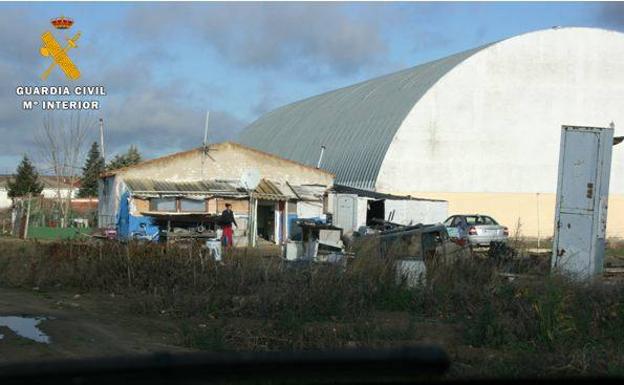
x=312 y=223
x=366 y=222
x=414 y=246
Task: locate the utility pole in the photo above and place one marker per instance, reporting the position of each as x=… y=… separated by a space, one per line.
x=538 y=220
x=102 y=138
x=252 y=219
x=205 y=144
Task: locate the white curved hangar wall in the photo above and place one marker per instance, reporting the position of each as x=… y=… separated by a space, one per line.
x=486 y=135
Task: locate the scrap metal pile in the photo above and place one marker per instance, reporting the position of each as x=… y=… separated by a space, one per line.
x=323 y=242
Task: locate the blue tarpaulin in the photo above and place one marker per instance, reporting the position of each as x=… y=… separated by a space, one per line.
x=142 y=227
x=123 y=217
x=134 y=227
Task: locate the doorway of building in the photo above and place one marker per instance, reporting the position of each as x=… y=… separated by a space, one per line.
x=375 y=210
x=266 y=221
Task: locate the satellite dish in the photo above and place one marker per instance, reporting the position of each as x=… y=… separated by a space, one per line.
x=250 y=179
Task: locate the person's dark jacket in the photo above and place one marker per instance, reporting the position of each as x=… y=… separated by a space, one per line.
x=227 y=218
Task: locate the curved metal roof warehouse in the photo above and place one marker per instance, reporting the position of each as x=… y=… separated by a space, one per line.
x=479 y=128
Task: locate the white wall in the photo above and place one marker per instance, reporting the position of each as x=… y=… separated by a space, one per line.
x=53 y=193
x=493 y=123
x=226 y=161
x=307 y=209
x=414 y=212
x=362 y=208
x=406 y=211
x=492 y=126
x=5 y=201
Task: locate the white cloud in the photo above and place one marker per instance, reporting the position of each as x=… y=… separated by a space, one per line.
x=309 y=39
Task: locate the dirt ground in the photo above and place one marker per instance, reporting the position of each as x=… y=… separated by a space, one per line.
x=88 y=325
x=80 y=326
x=99 y=324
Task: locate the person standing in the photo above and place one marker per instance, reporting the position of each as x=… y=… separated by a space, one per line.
x=462 y=229
x=227 y=219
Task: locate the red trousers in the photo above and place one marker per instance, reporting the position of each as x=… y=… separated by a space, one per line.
x=227 y=239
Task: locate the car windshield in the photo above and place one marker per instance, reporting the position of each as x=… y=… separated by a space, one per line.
x=489 y=221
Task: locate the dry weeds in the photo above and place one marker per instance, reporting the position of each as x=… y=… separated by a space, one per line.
x=538 y=324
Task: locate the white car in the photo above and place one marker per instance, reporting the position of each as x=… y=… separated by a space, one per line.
x=479 y=230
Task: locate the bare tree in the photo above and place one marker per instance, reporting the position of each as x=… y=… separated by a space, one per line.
x=62 y=143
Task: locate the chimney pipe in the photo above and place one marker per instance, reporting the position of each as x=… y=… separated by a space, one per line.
x=318 y=165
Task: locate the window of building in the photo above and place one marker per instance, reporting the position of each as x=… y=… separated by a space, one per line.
x=192 y=205
x=163 y=204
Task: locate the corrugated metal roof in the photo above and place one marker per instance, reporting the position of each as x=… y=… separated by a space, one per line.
x=208 y=187
x=266 y=189
x=271 y=190
x=309 y=192
x=342 y=189
x=355 y=123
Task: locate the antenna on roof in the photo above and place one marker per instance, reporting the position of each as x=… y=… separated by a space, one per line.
x=205 y=144
x=250 y=179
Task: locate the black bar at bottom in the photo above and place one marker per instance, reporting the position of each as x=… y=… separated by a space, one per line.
x=352 y=365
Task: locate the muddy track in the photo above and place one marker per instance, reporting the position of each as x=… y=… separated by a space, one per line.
x=81 y=326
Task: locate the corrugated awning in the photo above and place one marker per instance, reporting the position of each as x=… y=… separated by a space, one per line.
x=310 y=192
x=271 y=191
x=342 y=189
x=150 y=187
x=266 y=189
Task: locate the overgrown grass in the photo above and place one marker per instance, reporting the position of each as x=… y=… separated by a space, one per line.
x=537 y=324
x=188 y=282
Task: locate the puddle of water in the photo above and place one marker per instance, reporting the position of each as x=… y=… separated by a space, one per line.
x=25 y=327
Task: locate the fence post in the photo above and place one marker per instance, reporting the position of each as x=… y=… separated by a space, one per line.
x=27 y=217
x=128 y=260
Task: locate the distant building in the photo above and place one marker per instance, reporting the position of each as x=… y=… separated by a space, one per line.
x=174 y=189
x=480 y=128
x=52 y=187
x=183 y=190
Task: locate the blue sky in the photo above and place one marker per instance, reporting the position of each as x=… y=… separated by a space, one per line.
x=165 y=64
